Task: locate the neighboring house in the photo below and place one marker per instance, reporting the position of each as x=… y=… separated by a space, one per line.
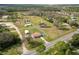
x=66 y=26
x=43 y=25
x=73 y=20
x=5 y=16
x=27 y=23
x=3 y=25
x=36 y=35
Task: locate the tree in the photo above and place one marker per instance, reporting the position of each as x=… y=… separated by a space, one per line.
x=13 y=17
x=3 y=28
x=60 y=48
x=7 y=38
x=41 y=48
x=75 y=41
x=74 y=44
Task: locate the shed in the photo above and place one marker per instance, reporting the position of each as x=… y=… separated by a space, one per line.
x=43 y=25
x=5 y=16
x=26 y=31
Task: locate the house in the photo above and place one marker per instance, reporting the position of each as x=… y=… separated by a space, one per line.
x=5 y=16
x=43 y=25
x=66 y=26
x=36 y=35
x=27 y=23
x=73 y=18
x=3 y=25
x=73 y=21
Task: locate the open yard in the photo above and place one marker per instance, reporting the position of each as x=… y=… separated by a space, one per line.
x=51 y=33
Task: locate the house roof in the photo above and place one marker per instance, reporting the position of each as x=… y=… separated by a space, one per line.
x=36 y=34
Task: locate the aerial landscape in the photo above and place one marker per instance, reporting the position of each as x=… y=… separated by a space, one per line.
x=39 y=29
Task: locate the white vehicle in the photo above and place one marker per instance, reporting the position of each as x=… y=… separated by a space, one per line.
x=27 y=33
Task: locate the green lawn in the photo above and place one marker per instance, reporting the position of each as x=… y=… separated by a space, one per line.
x=51 y=33
x=32 y=29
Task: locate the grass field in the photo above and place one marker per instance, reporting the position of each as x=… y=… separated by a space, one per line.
x=52 y=33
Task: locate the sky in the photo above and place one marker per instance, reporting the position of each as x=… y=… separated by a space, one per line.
x=39 y=1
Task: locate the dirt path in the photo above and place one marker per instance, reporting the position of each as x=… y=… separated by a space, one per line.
x=11 y=25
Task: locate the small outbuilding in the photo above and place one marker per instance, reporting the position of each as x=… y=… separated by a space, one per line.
x=27 y=33
x=43 y=25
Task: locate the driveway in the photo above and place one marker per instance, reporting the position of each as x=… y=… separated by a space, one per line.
x=11 y=25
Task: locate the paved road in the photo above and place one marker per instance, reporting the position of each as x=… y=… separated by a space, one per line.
x=46 y=43
x=65 y=38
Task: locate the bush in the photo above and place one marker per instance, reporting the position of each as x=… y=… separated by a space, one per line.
x=60 y=48
x=7 y=38
x=34 y=44
x=41 y=48
x=75 y=41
